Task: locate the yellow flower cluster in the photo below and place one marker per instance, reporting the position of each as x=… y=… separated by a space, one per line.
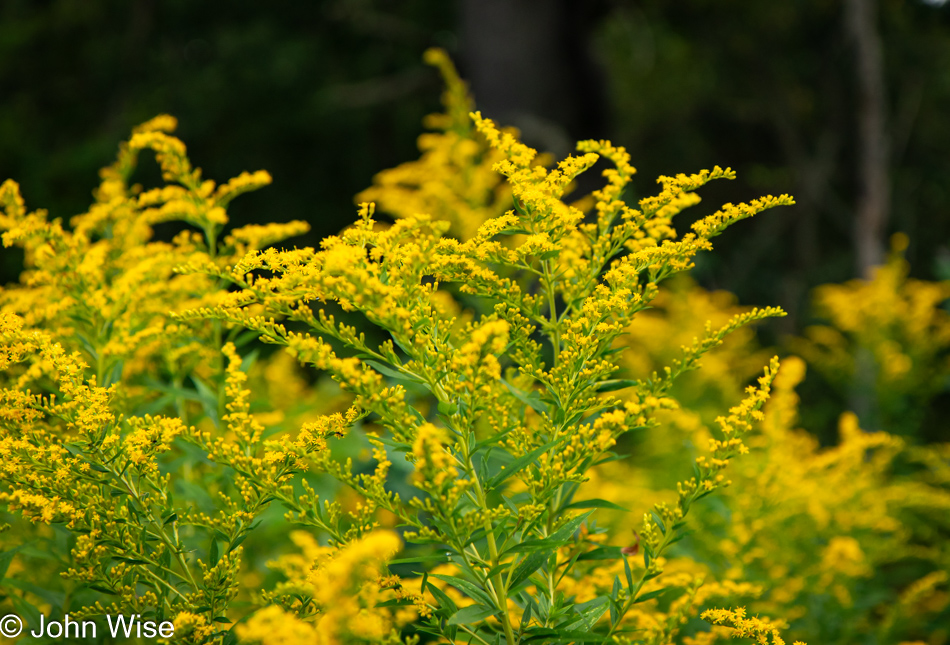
x=885 y=344
x=349 y=588
x=479 y=394
x=91 y=365
x=760 y=630
x=433 y=462
x=812 y=526
x=106 y=290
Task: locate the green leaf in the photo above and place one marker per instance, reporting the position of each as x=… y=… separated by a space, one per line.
x=208 y=398
x=237 y=542
x=446 y=606
x=543 y=544
x=611 y=457
x=659 y=522
x=231 y=637
x=244 y=338
x=396 y=602
x=651 y=595
x=447 y=408
x=420 y=558
x=493 y=440
x=452 y=630
x=590 y=612
x=534 y=561
x=679 y=536
x=562 y=635
x=248 y=361
x=514 y=231
x=527 y=567
x=178 y=392
x=498 y=568
x=705 y=493
x=5 y=559
x=595 y=503
x=156 y=406
x=532 y=399
x=129 y=560
x=390 y=372
x=439 y=636
x=518 y=207
x=616 y=384
x=473 y=591
x=602 y=553
x=395 y=445
x=526 y=617
x=115 y=374
x=472 y=614
x=519 y=464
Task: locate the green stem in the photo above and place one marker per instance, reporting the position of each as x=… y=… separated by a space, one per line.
x=219 y=368
x=173 y=546
x=552 y=313
x=498 y=583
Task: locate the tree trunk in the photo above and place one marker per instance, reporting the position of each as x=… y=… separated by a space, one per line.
x=873 y=182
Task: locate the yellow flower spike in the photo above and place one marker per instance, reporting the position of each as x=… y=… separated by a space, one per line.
x=758 y=629
x=433 y=462
x=455 y=98
x=243 y=183
x=13 y=205
x=517 y=153
x=161 y=123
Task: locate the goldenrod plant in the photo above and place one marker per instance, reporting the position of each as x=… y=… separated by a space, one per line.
x=98 y=381
x=482 y=382
x=884 y=344
x=839 y=543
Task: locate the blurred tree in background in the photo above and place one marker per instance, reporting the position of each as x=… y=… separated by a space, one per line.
x=774 y=90
x=321 y=94
x=842 y=103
